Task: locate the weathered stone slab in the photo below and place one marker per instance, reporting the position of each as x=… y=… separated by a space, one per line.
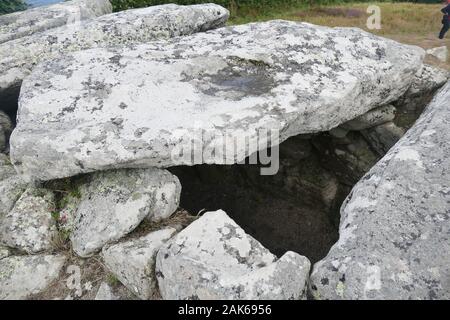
x=395 y=227
x=19 y=57
x=28 y=22
x=22 y=276
x=372 y=118
x=136 y=106
x=113 y=203
x=133 y=262
x=213 y=258
x=105 y=293
x=428 y=79
x=29 y=226
x=383 y=137
x=440 y=53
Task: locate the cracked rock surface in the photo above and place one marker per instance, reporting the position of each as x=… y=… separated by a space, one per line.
x=11 y=185
x=213 y=258
x=112 y=204
x=29 y=226
x=395 y=224
x=133 y=262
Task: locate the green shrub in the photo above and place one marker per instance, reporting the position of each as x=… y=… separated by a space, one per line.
x=8 y=6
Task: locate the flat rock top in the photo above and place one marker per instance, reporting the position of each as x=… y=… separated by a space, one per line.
x=20 y=56
x=107 y=108
x=395 y=227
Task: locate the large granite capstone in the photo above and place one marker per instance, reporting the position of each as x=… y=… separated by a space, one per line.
x=140 y=106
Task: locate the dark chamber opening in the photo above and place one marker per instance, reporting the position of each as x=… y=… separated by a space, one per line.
x=9 y=102
x=295 y=210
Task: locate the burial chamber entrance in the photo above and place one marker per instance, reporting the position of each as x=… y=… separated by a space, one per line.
x=298 y=208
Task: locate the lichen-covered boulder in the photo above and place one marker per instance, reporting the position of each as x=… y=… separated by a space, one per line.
x=18 y=57
x=28 y=22
x=213 y=258
x=395 y=225
x=133 y=262
x=22 y=276
x=138 y=106
x=29 y=226
x=11 y=188
x=111 y=204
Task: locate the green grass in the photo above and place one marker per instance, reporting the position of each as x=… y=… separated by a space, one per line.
x=238 y=8
x=8 y=6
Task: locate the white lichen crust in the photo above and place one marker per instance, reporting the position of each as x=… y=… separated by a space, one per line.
x=214 y=258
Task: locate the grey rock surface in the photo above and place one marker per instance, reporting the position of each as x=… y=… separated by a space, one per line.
x=11 y=188
x=133 y=262
x=105 y=293
x=395 y=224
x=5 y=130
x=339 y=132
x=152 y=100
x=31 y=21
x=22 y=276
x=29 y=226
x=113 y=203
x=213 y=258
x=411 y=105
x=441 y=53
x=4 y=252
x=383 y=137
x=20 y=56
x=372 y=118
x=427 y=79
x=350 y=159
x=6 y=168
